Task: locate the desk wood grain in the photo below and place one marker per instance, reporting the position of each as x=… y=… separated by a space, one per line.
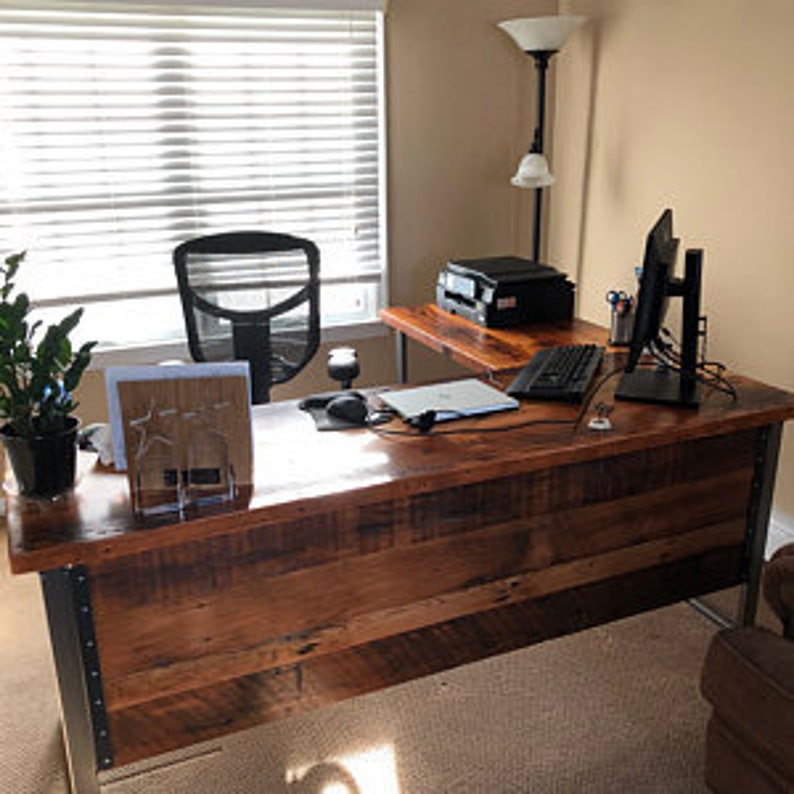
x=299 y=473
x=361 y=560
x=486 y=349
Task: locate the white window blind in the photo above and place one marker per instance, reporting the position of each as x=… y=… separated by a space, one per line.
x=127 y=128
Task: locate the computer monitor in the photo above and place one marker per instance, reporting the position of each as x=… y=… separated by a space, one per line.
x=673 y=378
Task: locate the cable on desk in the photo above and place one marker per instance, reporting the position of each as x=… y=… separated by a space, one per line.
x=707 y=373
x=461 y=431
x=599 y=384
x=424 y=425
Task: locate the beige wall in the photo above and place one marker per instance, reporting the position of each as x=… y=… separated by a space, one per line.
x=460 y=97
x=682 y=103
x=687 y=104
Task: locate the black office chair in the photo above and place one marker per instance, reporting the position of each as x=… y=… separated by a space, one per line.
x=252 y=296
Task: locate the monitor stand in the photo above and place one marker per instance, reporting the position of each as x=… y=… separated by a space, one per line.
x=663 y=385
x=658 y=386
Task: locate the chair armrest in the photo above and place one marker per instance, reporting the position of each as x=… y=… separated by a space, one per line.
x=778 y=586
x=748 y=677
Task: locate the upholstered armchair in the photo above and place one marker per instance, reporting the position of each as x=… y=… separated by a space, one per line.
x=748 y=677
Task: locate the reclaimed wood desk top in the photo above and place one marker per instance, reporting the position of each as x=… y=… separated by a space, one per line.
x=299 y=472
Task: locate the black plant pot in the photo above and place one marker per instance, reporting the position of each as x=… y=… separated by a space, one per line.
x=43 y=465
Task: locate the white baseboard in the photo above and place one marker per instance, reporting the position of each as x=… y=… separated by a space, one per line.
x=781 y=531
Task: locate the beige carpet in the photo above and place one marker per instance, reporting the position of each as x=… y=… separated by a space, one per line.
x=614 y=709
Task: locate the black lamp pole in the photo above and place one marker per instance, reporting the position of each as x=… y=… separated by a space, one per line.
x=540 y=38
x=542 y=58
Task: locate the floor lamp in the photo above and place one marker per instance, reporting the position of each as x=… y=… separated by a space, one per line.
x=540 y=37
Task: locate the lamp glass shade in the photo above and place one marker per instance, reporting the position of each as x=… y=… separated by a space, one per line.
x=533 y=171
x=534 y=34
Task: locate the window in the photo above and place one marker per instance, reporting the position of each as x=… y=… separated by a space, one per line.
x=126 y=128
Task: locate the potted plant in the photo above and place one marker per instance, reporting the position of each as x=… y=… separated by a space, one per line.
x=39 y=371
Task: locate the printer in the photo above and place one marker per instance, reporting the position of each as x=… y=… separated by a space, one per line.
x=502 y=291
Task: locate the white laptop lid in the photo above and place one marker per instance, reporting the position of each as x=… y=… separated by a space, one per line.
x=450 y=400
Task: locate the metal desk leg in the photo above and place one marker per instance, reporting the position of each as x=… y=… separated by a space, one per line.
x=85 y=727
x=758 y=512
x=766 y=459
x=401 y=342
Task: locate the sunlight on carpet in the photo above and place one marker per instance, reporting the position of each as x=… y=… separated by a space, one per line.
x=372 y=771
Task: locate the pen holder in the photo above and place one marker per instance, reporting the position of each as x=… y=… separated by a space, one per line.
x=620 y=327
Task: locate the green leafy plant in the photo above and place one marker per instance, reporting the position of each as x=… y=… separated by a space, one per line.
x=37 y=378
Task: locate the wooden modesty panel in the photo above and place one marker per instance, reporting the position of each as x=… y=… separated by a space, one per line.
x=218 y=634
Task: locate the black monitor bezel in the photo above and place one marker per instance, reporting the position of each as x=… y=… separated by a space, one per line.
x=671 y=380
x=661 y=250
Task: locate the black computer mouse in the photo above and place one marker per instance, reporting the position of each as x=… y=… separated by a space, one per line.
x=350 y=407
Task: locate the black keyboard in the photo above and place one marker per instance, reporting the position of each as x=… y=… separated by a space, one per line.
x=558 y=373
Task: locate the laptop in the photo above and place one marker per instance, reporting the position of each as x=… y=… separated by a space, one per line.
x=450 y=400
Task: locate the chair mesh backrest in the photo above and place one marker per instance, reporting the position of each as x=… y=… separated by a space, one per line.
x=252 y=296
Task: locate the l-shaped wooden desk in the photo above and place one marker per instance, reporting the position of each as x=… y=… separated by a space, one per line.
x=361 y=560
